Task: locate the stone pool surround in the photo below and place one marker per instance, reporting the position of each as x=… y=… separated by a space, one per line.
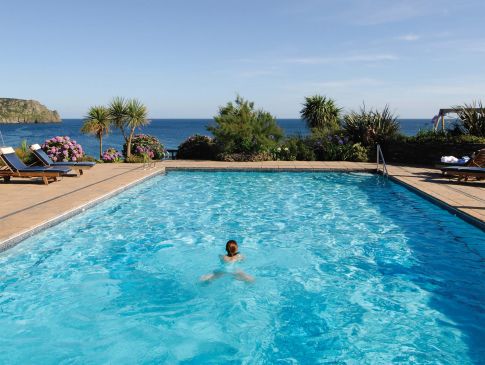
x=31 y=207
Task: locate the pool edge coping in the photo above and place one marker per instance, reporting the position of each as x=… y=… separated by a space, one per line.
x=17 y=238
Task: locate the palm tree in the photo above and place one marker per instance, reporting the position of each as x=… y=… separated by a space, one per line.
x=320 y=113
x=117 y=114
x=97 y=122
x=136 y=116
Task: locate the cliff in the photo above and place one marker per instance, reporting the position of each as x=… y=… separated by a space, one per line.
x=26 y=111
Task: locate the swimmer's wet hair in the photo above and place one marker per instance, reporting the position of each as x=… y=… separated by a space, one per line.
x=231 y=247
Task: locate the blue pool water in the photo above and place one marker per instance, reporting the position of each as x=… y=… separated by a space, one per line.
x=349 y=268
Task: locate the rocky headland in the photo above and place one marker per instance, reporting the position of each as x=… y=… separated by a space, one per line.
x=26 y=111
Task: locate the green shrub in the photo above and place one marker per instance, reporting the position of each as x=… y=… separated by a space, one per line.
x=332 y=148
x=240 y=129
x=245 y=157
x=294 y=148
x=143 y=144
x=283 y=153
x=338 y=148
x=302 y=148
x=360 y=153
x=87 y=158
x=136 y=159
x=197 y=147
x=320 y=114
x=369 y=127
x=472 y=117
x=25 y=154
x=427 y=147
x=444 y=137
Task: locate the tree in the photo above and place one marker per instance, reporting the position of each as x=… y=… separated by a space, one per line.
x=127 y=115
x=472 y=117
x=239 y=128
x=136 y=116
x=371 y=126
x=97 y=122
x=320 y=113
x=118 y=113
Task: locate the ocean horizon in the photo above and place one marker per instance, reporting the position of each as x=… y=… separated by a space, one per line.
x=171 y=132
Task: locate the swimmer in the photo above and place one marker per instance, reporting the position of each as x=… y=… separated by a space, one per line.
x=232 y=256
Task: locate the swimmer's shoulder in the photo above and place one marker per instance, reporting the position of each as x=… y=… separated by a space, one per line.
x=236 y=258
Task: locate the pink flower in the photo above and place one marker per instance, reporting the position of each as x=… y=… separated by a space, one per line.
x=74 y=158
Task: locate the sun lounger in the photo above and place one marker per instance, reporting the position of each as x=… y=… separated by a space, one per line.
x=464 y=172
x=477 y=161
x=47 y=161
x=14 y=167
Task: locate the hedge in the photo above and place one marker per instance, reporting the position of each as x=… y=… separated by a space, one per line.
x=426 y=153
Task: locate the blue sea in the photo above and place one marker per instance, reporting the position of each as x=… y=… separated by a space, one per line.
x=171 y=132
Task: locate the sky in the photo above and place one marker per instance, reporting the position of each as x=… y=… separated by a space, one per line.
x=186 y=58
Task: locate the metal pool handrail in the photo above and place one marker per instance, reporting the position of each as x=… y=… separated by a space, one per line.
x=380 y=156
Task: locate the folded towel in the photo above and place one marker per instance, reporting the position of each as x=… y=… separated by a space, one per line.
x=449 y=159
x=454 y=160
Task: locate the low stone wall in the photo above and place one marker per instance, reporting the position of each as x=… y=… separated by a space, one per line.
x=427 y=153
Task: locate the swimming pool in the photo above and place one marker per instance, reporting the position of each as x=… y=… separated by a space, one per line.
x=350 y=268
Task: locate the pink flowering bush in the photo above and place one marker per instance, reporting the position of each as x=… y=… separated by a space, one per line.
x=112 y=155
x=145 y=145
x=63 y=149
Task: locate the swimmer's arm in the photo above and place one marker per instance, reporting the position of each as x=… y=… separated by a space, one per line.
x=241 y=275
x=212 y=276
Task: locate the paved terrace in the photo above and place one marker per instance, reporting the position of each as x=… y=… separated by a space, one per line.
x=28 y=205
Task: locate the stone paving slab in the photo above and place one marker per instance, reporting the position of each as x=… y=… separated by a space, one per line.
x=29 y=205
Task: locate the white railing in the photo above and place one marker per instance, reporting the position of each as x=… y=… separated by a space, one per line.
x=380 y=156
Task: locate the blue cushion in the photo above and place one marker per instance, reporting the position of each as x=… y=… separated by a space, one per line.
x=463 y=169
x=44 y=169
x=44 y=157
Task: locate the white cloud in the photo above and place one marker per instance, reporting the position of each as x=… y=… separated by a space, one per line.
x=340 y=86
x=353 y=58
x=458 y=89
x=372 y=12
x=348 y=83
x=409 y=37
x=256 y=73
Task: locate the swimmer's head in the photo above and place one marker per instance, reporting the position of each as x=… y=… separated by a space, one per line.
x=231 y=248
